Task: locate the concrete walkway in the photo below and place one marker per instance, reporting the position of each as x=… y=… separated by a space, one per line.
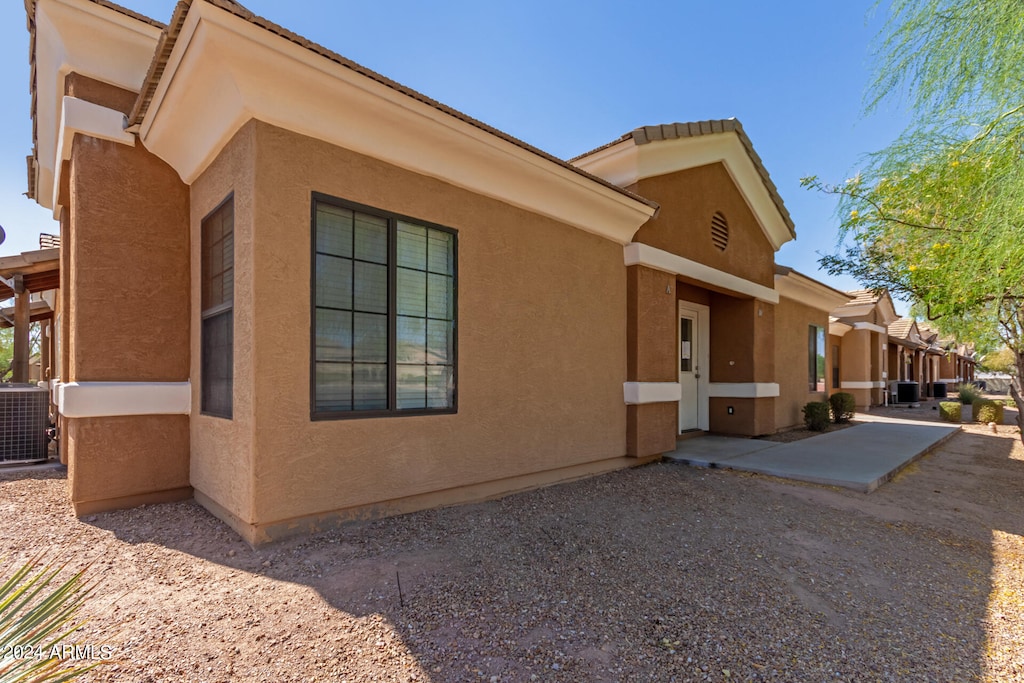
x=862 y=457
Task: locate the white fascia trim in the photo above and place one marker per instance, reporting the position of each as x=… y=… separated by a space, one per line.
x=109 y=399
x=871 y=326
x=809 y=292
x=225 y=71
x=636 y=393
x=743 y=389
x=626 y=163
x=862 y=385
x=78 y=116
x=838 y=329
x=87 y=38
x=639 y=254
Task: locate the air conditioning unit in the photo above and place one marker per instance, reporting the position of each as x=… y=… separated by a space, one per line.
x=24 y=417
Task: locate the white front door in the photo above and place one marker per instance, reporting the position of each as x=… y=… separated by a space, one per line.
x=693 y=365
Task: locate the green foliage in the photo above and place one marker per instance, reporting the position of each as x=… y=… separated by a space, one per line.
x=986 y=411
x=1001 y=360
x=948 y=56
x=950 y=411
x=937 y=216
x=6 y=352
x=817 y=415
x=37 y=616
x=968 y=393
x=843 y=406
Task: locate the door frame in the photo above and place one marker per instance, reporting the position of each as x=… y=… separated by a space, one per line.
x=702 y=315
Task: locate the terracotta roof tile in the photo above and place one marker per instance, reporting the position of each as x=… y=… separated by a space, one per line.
x=166 y=44
x=671 y=131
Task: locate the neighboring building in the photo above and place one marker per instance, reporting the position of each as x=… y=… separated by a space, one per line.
x=304 y=293
x=860 y=330
x=803 y=337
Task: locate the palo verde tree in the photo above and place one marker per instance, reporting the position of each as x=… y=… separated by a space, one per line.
x=938 y=216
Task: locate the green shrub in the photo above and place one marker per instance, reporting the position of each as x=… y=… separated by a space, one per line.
x=986 y=411
x=843 y=406
x=817 y=415
x=969 y=393
x=950 y=411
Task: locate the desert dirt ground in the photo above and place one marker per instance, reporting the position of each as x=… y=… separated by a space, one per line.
x=663 y=573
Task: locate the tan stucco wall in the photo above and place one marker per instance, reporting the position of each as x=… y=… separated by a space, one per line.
x=792 y=325
x=222 y=461
x=742 y=335
x=855 y=365
x=124 y=318
x=129 y=262
x=751 y=416
x=651 y=338
x=689 y=200
x=98 y=92
x=129 y=457
x=542 y=343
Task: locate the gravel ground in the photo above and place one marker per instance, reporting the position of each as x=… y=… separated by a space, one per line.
x=660 y=573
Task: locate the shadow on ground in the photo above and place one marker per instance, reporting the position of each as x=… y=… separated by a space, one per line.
x=663 y=572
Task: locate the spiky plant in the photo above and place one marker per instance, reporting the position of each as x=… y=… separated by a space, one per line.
x=37 y=616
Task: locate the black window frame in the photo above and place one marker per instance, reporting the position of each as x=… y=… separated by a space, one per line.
x=216 y=311
x=815 y=335
x=392 y=219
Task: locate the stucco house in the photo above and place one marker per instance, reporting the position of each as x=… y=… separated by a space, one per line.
x=304 y=293
x=859 y=330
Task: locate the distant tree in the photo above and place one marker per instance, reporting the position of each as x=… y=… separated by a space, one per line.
x=1001 y=361
x=938 y=216
x=7 y=349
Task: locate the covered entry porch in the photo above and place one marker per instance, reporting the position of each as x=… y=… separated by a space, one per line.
x=700 y=350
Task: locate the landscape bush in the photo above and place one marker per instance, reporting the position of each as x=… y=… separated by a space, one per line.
x=843 y=406
x=969 y=393
x=950 y=411
x=817 y=415
x=986 y=411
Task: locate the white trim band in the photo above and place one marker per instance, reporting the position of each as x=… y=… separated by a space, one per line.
x=872 y=327
x=636 y=393
x=638 y=254
x=110 y=399
x=862 y=385
x=80 y=116
x=743 y=390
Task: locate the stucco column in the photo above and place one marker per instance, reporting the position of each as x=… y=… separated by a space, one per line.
x=651 y=427
x=128 y=322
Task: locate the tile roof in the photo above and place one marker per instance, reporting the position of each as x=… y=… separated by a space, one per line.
x=672 y=131
x=863 y=296
x=901 y=328
x=48 y=241
x=166 y=45
x=30 y=11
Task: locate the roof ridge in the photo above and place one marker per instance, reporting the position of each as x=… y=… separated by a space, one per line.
x=670 y=131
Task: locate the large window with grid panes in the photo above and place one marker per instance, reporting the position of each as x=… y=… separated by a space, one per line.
x=383 y=313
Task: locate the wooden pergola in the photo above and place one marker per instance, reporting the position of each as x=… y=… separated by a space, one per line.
x=21 y=275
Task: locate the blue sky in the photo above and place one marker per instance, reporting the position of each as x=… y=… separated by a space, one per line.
x=570 y=76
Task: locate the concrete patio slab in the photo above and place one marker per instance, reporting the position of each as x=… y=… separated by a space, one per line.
x=861 y=458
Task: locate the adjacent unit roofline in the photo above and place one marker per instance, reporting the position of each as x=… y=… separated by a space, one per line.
x=681 y=146
x=218 y=65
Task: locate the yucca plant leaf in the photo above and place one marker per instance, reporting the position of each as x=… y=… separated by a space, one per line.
x=37 y=615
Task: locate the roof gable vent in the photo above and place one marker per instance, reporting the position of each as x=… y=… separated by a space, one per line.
x=719 y=231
